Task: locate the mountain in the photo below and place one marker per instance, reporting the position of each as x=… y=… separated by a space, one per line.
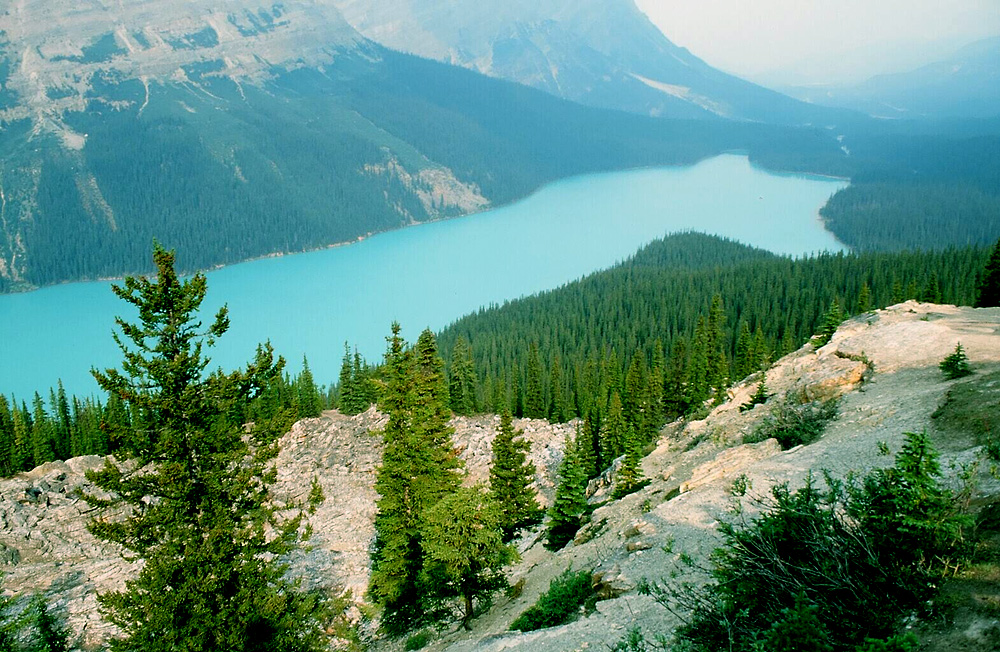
x=232 y=129
x=966 y=85
x=603 y=53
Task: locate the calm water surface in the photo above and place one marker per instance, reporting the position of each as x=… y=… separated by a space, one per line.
x=426 y=276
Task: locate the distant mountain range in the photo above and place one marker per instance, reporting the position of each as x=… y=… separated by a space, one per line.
x=966 y=85
x=603 y=53
x=231 y=129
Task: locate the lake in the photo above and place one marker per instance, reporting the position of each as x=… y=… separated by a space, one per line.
x=426 y=275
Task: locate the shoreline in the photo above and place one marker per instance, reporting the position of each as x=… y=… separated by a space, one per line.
x=491 y=207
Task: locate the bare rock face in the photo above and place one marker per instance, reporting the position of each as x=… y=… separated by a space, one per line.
x=45 y=546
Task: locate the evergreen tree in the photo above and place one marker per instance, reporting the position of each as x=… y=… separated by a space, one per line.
x=988 y=292
x=675 y=392
x=570 y=501
x=462 y=380
x=463 y=548
x=932 y=290
x=200 y=515
x=583 y=444
x=697 y=372
x=629 y=477
x=6 y=438
x=635 y=403
x=613 y=428
x=42 y=434
x=956 y=365
x=657 y=385
x=347 y=398
x=310 y=403
x=829 y=325
x=534 y=400
x=864 y=299
x=744 y=363
x=718 y=367
x=511 y=477
x=898 y=295
x=419 y=468
x=557 y=404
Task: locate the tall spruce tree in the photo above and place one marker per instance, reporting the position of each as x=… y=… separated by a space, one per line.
x=629 y=477
x=462 y=379
x=193 y=486
x=308 y=398
x=534 y=398
x=419 y=468
x=511 y=476
x=988 y=292
x=570 y=501
x=612 y=436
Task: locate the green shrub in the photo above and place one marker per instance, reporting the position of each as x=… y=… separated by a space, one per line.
x=956 y=365
x=793 y=425
x=901 y=643
x=855 y=557
x=759 y=397
x=566 y=594
x=418 y=640
x=798 y=629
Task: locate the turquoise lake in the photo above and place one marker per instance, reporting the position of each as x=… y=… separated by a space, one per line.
x=427 y=275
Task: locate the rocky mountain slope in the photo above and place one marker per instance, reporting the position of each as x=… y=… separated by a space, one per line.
x=604 y=53
x=882 y=366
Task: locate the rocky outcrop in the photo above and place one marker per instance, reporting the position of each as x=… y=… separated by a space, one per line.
x=45 y=546
x=891 y=355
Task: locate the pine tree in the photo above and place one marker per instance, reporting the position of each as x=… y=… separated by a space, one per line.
x=42 y=434
x=534 y=400
x=570 y=501
x=583 y=444
x=988 y=292
x=200 y=515
x=898 y=295
x=629 y=477
x=347 y=398
x=956 y=365
x=864 y=299
x=419 y=468
x=6 y=438
x=696 y=381
x=635 y=400
x=675 y=401
x=718 y=366
x=829 y=324
x=744 y=363
x=932 y=290
x=463 y=548
x=613 y=432
x=557 y=404
x=511 y=477
x=309 y=401
x=462 y=380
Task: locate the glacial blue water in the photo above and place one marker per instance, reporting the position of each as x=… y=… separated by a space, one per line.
x=427 y=275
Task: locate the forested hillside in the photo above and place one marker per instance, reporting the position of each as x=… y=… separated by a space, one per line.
x=912 y=190
x=680 y=318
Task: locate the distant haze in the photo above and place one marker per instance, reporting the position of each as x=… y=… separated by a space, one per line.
x=801 y=42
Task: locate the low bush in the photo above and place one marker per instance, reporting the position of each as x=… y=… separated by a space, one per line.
x=838 y=567
x=794 y=425
x=566 y=595
x=418 y=641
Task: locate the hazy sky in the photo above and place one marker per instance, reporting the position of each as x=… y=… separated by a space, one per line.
x=803 y=41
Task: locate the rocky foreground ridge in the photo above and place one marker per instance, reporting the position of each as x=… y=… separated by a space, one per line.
x=882 y=365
